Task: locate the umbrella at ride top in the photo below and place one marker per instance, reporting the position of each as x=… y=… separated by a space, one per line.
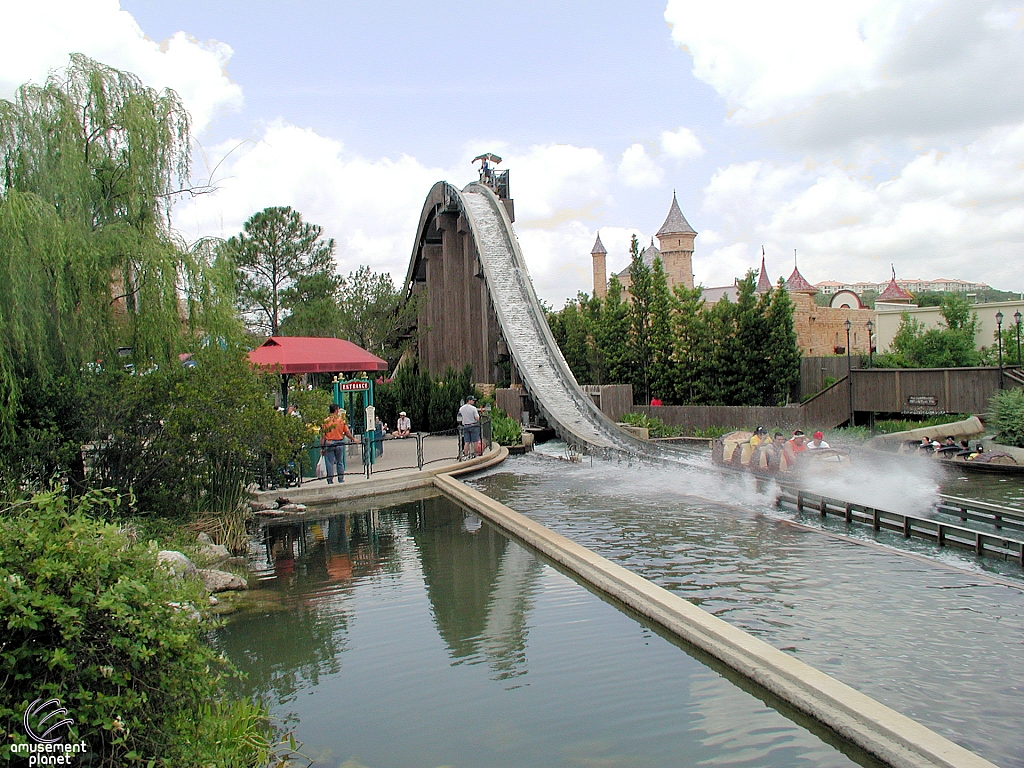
x=490 y=157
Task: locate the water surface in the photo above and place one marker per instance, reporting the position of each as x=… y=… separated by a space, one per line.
x=420 y=636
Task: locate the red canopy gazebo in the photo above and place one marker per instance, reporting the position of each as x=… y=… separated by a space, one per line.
x=289 y=355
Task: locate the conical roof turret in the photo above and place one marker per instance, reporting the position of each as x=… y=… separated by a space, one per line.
x=763 y=283
x=675 y=222
x=893 y=293
x=598 y=246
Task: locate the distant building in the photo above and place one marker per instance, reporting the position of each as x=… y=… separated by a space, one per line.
x=939 y=285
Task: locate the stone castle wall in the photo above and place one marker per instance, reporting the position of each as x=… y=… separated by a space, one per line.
x=820 y=330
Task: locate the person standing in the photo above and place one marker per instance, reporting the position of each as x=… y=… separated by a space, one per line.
x=469 y=416
x=332 y=442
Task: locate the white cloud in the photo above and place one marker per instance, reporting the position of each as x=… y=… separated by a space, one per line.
x=552 y=183
x=370 y=207
x=839 y=71
x=100 y=30
x=955 y=213
x=681 y=144
x=637 y=169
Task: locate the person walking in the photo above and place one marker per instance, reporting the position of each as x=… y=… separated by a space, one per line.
x=332 y=442
x=469 y=416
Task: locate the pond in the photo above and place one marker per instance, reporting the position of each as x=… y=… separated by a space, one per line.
x=419 y=635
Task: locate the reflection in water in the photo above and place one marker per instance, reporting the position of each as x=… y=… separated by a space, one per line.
x=419 y=635
x=479 y=586
x=939 y=644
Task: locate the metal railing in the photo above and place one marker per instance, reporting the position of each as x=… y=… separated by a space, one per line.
x=387 y=453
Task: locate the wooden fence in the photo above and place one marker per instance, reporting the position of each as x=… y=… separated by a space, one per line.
x=927 y=391
x=815 y=370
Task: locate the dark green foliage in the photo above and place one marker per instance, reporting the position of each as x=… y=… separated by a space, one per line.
x=1006 y=411
x=663 y=369
x=313 y=301
x=431 y=404
x=170 y=433
x=671 y=346
x=90 y=619
x=273 y=252
x=374 y=314
x=639 y=311
x=612 y=336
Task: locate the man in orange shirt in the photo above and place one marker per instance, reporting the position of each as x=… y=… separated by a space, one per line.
x=332 y=442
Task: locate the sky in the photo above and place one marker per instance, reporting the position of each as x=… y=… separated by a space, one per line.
x=850 y=136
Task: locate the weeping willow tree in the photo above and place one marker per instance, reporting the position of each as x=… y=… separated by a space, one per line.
x=90 y=164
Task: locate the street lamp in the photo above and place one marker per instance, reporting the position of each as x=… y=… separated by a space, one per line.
x=871 y=343
x=1016 y=317
x=999 y=338
x=849 y=369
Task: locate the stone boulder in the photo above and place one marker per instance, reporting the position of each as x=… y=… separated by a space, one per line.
x=176 y=563
x=221 y=581
x=210 y=552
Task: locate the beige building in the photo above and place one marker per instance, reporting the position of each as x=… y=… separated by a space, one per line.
x=890 y=315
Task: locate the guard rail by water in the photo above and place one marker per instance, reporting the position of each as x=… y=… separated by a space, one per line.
x=943 y=534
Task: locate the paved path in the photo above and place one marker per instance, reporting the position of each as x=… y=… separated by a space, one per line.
x=394 y=470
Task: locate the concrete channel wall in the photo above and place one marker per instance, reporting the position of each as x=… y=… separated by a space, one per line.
x=881 y=731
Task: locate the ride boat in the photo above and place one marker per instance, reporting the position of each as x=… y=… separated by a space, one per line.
x=734 y=451
x=978 y=461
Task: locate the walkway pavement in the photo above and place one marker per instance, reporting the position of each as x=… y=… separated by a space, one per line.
x=394 y=470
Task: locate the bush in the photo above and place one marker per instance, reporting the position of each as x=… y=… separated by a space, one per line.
x=170 y=437
x=655 y=426
x=1006 y=411
x=92 y=620
x=504 y=429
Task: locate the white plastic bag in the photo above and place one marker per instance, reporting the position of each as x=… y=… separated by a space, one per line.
x=321 y=468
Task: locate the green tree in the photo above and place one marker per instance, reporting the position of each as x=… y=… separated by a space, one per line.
x=92 y=161
x=577 y=338
x=612 y=336
x=691 y=341
x=664 y=373
x=313 y=301
x=275 y=249
x=375 y=314
x=950 y=346
x=640 y=291
x=781 y=351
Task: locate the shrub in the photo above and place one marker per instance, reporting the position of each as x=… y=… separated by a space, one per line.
x=1006 y=410
x=655 y=426
x=90 y=619
x=504 y=429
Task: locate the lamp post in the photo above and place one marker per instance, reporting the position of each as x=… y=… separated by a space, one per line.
x=871 y=343
x=1016 y=318
x=849 y=369
x=999 y=338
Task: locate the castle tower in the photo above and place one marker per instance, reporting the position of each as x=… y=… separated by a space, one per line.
x=599 y=252
x=676 y=238
x=763 y=283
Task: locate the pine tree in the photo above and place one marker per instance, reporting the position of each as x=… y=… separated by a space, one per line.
x=275 y=249
x=692 y=347
x=663 y=366
x=640 y=290
x=612 y=336
x=781 y=352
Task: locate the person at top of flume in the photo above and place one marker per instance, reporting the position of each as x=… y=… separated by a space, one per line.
x=817 y=442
